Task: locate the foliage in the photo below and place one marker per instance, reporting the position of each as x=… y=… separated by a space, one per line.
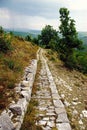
x=69 y=41
x=5 y=42
x=1 y=30
x=28 y=38
x=10 y=63
x=35 y=40
x=81 y=58
x=48 y=36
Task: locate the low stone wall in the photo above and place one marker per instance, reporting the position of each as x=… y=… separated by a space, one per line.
x=12 y=118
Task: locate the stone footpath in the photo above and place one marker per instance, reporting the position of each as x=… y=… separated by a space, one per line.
x=51 y=111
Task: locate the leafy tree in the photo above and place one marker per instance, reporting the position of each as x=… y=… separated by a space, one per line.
x=28 y=38
x=69 y=38
x=48 y=34
x=1 y=30
x=35 y=40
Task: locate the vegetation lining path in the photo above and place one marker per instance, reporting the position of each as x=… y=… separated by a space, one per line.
x=49 y=113
x=72 y=88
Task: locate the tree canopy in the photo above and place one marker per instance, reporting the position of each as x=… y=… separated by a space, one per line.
x=48 y=35
x=69 y=37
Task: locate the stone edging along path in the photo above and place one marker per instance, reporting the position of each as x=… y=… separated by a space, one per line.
x=12 y=118
x=62 y=122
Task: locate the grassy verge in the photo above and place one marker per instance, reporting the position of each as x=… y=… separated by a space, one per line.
x=12 y=65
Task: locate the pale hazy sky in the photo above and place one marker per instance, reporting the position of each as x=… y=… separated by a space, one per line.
x=35 y=14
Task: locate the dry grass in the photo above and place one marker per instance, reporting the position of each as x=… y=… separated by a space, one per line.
x=12 y=65
x=77 y=97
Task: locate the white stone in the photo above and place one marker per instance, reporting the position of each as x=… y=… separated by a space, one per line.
x=51 y=124
x=63 y=126
x=26 y=95
x=46 y=118
x=75 y=99
x=62 y=118
x=23 y=104
x=74 y=103
x=25 y=83
x=42 y=122
x=58 y=103
x=5 y=122
x=66 y=103
x=75 y=112
x=80 y=122
x=16 y=109
x=60 y=110
x=84 y=112
x=63 y=96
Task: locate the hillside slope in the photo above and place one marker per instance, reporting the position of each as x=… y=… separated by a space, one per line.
x=12 y=65
x=72 y=87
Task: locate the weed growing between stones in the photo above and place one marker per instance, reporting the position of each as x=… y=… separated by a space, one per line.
x=30 y=119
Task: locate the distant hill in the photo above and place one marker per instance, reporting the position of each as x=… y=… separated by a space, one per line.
x=83 y=37
x=33 y=33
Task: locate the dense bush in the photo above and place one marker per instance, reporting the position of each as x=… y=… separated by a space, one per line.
x=81 y=58
x=5 y=41
x=5 y=45
x=28 y=38
x=1 y=30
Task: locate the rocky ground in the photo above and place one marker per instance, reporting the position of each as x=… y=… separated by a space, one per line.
x=59 y=97
x=72 y=88
x=50 y=113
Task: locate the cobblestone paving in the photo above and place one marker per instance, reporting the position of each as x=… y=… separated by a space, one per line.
x=51 y=113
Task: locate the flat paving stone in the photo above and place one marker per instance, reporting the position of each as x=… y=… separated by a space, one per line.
x=51 y=124
x=63 y=126
x=42 y=122
x=58 y=103
x=60 y=110
x=50 y=108
x=46 y=118
x=62 y=118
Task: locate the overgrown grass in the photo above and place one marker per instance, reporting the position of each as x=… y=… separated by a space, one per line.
x=12 y=65
x=29 y=120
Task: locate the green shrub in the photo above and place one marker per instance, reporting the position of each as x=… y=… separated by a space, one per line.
x=1 y=30
x=71 y=62
x=5 y=45
x=82 y=62
x=10 y=63
x=50 y=52
x=11 y=84
x=28 y=38
x=52 y=58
